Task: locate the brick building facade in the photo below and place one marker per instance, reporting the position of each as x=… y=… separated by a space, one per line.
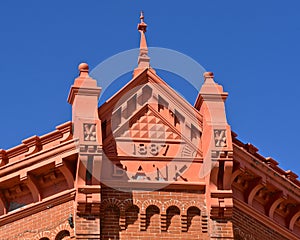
x=145 y=165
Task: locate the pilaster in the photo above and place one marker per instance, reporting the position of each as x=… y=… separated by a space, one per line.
x=218 y=157
x=83 y=97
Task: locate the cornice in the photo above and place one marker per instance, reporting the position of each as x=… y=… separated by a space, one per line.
x=267 y=173
x=41 y=158
x=35 y=144
x=33 y=208
x=264 y=219
x=252 y=151
x=256 y=177
x=82 y=90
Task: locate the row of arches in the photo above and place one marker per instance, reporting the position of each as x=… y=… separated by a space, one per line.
x=162 y=205
x=152 y=219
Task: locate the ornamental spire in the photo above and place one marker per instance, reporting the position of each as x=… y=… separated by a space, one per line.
x=143 y=60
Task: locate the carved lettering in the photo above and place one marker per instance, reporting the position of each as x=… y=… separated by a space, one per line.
x=119 y=170
x=161 y=174
x=160 y=177
x=141 y=175
x=179 y=173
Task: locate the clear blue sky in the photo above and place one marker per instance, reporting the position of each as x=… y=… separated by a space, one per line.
x=253 y=47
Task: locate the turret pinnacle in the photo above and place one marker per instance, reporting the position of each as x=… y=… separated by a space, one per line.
x=143 y=60
x=142 y=27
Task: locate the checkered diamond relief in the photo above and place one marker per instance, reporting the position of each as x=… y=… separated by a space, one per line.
x=150 y=126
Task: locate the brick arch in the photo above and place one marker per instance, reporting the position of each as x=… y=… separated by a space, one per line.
x=196 y=204
x=110 y=202
x=192 y=206
x=149 y=202
x=193 y=218
x=61 y=228
x=42 y=235
x=131 y=217
x=63 y=235
x=152 y=218
x=127 y=218
x=173 y=221
x=129 y=202
x=172 y=202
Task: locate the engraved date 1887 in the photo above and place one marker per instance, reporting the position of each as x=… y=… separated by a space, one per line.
x=152 y=149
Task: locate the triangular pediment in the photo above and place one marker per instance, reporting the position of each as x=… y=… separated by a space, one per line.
x=147 y=111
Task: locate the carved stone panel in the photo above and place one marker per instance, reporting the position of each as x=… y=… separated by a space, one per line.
x=89 y=132
x=220 y=137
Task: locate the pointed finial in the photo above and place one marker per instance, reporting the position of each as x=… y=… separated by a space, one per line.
x=142 y=26
x=142 y=17
x=143 y=60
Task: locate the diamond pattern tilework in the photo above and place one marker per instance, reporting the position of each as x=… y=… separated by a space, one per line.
x=149 y=126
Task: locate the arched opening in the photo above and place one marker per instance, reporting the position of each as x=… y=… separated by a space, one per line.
x=110 y=226
x=132 y=216
x=62 y=235
x=153 y=219
x=193 y=219
x=173 y=219
x=44 y=238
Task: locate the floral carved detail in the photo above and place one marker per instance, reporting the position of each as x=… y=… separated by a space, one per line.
x=89 y=131
x=220 y=137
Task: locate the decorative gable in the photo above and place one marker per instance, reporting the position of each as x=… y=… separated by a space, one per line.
x=151 y=136
x=147 y=113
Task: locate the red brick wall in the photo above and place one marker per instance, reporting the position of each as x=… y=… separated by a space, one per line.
x=87 y=227
x=221 y=229
x=153 y=215
x=246 y=227
x=49 y=223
